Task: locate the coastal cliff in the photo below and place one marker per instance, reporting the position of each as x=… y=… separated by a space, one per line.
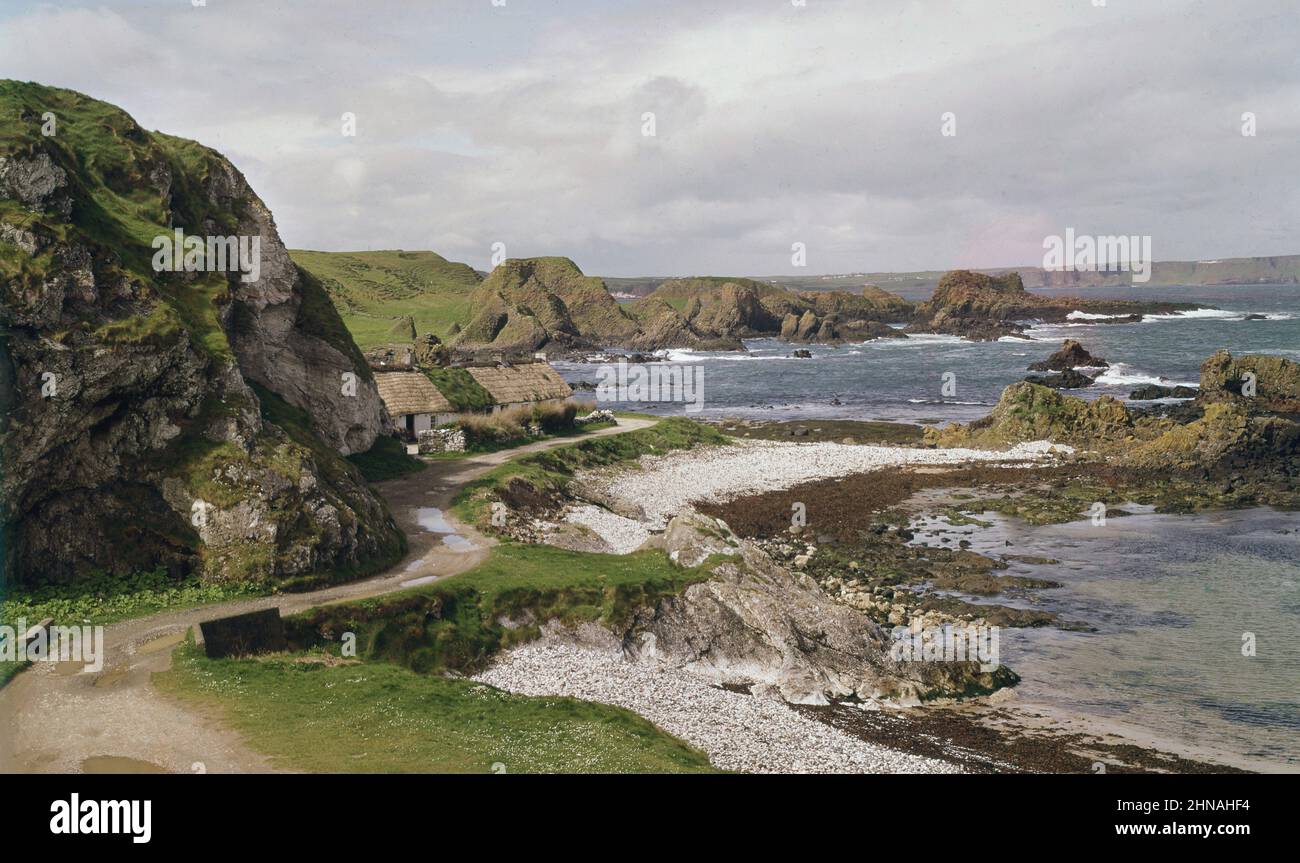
x=188 y=418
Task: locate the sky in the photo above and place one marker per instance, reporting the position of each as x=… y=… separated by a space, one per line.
x=524 y=122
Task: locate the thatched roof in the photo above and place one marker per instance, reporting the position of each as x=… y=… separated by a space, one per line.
x=523 y=382
x=410 y=393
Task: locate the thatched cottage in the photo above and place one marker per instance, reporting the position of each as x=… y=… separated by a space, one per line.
x=516 y=384
x=413 y=402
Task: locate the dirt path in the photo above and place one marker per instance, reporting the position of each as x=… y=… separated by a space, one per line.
x=56 y=719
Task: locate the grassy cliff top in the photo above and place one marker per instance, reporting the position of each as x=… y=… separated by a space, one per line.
x=374 y=291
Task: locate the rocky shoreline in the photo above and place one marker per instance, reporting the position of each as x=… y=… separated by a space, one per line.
x=737 y=730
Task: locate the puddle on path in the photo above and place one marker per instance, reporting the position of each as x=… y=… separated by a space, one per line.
x=458 y=543
x=119 y=764
x=432 y=520
x=162 y=642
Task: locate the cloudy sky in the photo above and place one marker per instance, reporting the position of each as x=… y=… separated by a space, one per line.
x=522 y=123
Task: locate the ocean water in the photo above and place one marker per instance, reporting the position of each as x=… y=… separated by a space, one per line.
x=1171 y=596
x=1175 y=600
x=903 y=379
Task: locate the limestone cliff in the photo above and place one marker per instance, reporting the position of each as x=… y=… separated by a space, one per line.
x=188 y=418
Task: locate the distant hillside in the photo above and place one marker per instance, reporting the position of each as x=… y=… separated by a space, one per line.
x=377 y=292
x=527 y=303
x=1275 y=270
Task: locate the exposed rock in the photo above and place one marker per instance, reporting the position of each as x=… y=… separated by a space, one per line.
x=1148 y=392
x=534 y=302
x=1066 y=380
x=981 y=307
x=1276 y=382
x=802 y=354
x=1029 y=412
x=757 y=624
x=136 y=440
x=1072 y=355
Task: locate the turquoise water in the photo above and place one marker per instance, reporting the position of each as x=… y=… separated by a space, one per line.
x=1172 y=599
x=890 y=379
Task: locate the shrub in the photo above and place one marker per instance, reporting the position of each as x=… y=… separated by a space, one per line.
x=554 y=418
x=491 y=430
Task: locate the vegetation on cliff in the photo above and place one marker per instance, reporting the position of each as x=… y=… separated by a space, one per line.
x=189 y=420
x=378 y=291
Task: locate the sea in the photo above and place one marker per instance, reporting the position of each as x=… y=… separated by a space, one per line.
x=1196 y=647
x=936 y=379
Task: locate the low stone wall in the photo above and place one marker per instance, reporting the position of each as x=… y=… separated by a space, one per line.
x=244 y=634
x=441 y=440
x=597 y=416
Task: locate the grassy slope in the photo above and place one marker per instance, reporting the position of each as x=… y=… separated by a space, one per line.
x=395 y=711
x=554 y=468
x=373 y=290
x=454 y=624
x=378 y=717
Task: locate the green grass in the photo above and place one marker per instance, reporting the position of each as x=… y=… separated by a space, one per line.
x=387 y=459
x=554 y=468
x=103 y=599
x=377 y=717
x=459 y=387
x=455 y=623
x=373 y=290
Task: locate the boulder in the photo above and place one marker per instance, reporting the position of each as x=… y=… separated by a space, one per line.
x=1149 y=392
x=1066 y=380
x=1274 y=382
x=757 y=624
x=1071 y=355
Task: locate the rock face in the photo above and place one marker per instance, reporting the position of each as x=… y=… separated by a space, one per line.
x=524 y=305
x=981 y=307
x=759 y=625
x=1028 y=412
x=1072 y=355
x=725 y=309
x=1225 y=430
x=188 y=420
x=1066 y=380
x=1147 y=392
x=1275 y=381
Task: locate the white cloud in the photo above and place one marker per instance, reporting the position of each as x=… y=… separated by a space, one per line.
x=775 y=123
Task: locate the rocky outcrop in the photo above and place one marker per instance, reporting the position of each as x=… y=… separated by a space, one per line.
x=1072 y=355
x=1066 y=380
x=188 y=420
x=527 y=304
x=1148 y=392
x=1029 y=412
x=982 y=307
x=757 y=624
x=1252 y=439
x=1260 y=383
